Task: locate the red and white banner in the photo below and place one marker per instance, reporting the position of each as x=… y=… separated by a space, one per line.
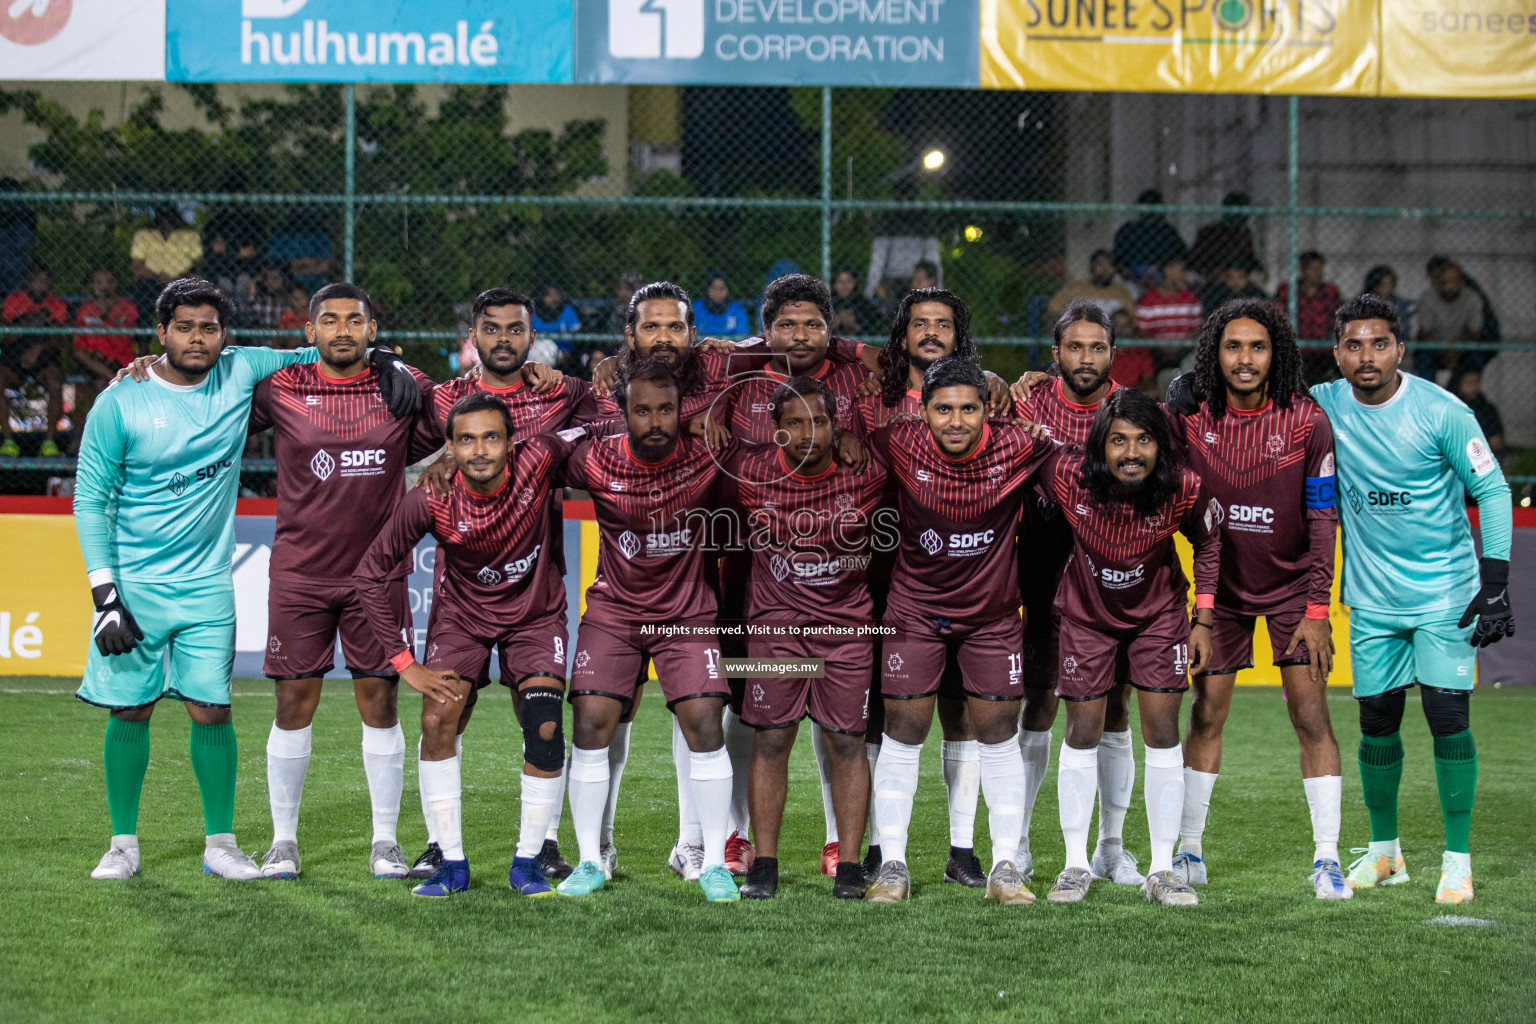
x=92 y=40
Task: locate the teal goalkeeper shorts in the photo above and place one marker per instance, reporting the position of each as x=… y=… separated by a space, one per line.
x=1392 y=652
x=193 y=622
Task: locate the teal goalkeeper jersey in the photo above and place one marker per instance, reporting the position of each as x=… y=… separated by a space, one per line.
x=159 y=469
x=1404 y=468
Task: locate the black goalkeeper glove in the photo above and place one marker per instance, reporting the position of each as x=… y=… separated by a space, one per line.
x=113 y=626
x=1495 y=619
x=1181 y=395
x=397 y=385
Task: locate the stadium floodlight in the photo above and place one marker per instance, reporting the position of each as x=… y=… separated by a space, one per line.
x=933 y=160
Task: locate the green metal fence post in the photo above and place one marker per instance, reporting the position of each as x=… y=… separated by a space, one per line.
x=826 y=183
x=351 y=182
x=1293 y=213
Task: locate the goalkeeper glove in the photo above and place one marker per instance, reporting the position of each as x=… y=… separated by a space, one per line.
x=113 y=626
x=1181 y=396
x=1495 y=619
x=397 y=385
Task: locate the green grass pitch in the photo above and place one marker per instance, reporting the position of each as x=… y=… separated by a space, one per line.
x=173 y=945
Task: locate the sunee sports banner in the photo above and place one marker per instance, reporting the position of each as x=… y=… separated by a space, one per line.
x=1477 y=48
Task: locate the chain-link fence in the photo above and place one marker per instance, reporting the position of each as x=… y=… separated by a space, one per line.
x=1159 y=205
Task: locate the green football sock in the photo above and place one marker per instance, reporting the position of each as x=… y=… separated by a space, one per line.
x=125 y=756
x=1381 y=770
x=1456 y=773
x=214 y=756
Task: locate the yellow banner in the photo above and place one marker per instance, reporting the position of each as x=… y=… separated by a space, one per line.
x=1229 y=46
x=45 y=606
x=1471 y=48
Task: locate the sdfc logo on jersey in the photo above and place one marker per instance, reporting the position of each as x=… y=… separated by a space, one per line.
x=629 y=544
x=490 y=577
x=931 y=542
x=779 y=566
x=1214 y=515
x=322 y=465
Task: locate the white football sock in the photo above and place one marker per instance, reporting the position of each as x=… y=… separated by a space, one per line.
x=588 y=788
x=1076 y=780
x=287 y=764
x=1002 y=777
x=442 y=796
x=1197 y=804
x=426 y=816
x=1035 y=747
x=872 y=755
x=552 y=833
x=618 y=757
x=538 y=805
x=1117 y=784
x=895 y=786
x=689 y=831
x=1163 y=791
x=1325 y=795
x=710 y=772
x=962 y=783
x=739 y=738
x=384 y=765
x=824 y=771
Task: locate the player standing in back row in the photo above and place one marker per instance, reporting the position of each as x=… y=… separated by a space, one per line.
x=1408 y=452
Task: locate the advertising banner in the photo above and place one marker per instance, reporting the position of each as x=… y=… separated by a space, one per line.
x=367 y=41
x=914 y=43
x=1472 y=48
x=92 y=40
x=1217 y=46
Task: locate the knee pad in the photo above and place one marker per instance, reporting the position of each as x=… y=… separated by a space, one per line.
x=541 y=706
x=1382 y=715
x=1447 y=711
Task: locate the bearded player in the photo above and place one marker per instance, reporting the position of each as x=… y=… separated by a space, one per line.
x=499 y=588
x=1122 y=610
x=954 y=592
x=1265 y=452
x=341 y=460
x=154 y=506
x=1420 y=600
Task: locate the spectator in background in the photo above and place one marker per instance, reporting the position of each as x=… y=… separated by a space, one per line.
x=265 y=303
x=102 y=355
x=18 y=232
x=1168 y=312
x=1226 y=243
x=1316 y=299
x=925 y=274
x=1452 y=313
x=303 y=250
x=1234 y=282
x=717 y=314
x=629 y=282
x=161 y=253
x=1142 y=246
x=852 y=313
x=552 y=314
x=32 y=356
x=1468 y=386
x=293 y=318
x=1101 y=287
x=1381 y=281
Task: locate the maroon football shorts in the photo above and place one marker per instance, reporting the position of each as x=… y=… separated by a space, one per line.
x=1155 y=657
x=1232 y=638
x=304 y=618
x=991 y=666
x=838 y=701
x=608 y=664
x=532 y=649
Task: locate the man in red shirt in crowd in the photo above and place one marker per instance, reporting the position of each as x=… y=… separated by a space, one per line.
x=1171 y=312
x=102 y=355
x=1316 y=302
x=34 y=356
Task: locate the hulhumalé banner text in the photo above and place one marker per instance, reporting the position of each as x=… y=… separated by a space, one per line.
x=368 y=41
x=95 y=40
x=914 y=43
x=1473 y=48
x=1311 y=47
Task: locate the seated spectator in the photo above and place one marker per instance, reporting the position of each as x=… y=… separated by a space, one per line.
x=1451 y=313
x=1168 y=312
x=161 y=253
x=18 y=232
x=717 y=315
x=1226 y=243
x=32 y=356
x=925 y=274
x=1381 y=280
x=1142 y=246
x=293 y=318
x=102 y=355
x=852 y=313
x=264 y=305
x=1316 y=299
x=1102 y=288
x=303 y=249
x=1468 y=386
x=553 y=316
x=629 y=282
x=1234 y=282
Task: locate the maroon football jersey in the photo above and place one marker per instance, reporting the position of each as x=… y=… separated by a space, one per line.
x=1124 y=571
x=871 y=410
x=958 y=516
x=341 y=460
x=1277 y=548
x=493 y=550
x=654 y=523
x=809 y=535
x=571 y=404
x=749 y=400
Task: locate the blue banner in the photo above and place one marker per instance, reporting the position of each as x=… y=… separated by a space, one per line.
x=368 y=41
x=928 y=43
